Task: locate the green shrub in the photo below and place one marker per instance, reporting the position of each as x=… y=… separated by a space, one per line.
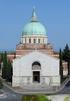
x=42 y=98
x=34 y=98
x=26 y=98
x=67 y=99
x=1 y=84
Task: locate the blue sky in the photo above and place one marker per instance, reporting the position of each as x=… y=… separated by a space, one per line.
x=54 y=14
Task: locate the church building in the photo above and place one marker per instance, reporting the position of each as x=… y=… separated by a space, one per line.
x=36 y=62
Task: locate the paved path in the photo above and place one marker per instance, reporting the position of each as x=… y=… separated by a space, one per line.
x=9 y=95
x=65 y=90
x=12 y=95
x=45 y=90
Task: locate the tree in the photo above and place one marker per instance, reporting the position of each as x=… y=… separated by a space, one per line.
x=1 y=84
x=66 y=53
x=7 y=68
x=61 y=66
x=9 y=72
x=69 y=64
x=1 y=58
x=66 y=57
x=4 y=69
x=35 y=98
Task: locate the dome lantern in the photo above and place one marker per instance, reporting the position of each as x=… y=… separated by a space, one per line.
x=34 y=16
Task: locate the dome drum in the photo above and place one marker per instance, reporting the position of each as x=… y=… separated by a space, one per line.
x=34 y=39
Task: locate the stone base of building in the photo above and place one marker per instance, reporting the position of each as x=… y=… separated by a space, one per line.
x=44 y=81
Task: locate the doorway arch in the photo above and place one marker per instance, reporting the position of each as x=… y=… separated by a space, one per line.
x=36 y=67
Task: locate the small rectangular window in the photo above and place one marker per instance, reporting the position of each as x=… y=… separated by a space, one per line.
x=34 y=40
x=38 y=40
x=29 y=40
x=25 y=40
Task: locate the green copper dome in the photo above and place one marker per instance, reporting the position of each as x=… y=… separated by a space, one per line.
x=34 y=27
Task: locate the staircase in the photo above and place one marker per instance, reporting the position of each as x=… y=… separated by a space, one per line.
x=63 y=84
x=37 y=87
x=41 y=88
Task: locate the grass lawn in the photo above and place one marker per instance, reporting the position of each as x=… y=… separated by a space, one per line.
x=34 y=98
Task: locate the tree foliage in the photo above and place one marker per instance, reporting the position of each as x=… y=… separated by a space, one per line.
x=1 y=84
x=66 y=57
x=9 y=72
x=4 y=69
x=7 y=68
x=61 y=66
x=35 y=98
x=66 y=53
x=1 y=58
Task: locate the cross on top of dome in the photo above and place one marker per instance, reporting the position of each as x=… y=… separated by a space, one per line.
x=34 y=16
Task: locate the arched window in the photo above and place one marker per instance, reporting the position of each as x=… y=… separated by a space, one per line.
x=36 y=66
x=36 y=63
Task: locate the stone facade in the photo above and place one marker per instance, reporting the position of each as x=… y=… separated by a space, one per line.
x=48 y=70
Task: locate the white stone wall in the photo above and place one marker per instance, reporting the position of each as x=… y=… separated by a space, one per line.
x=22 y=69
